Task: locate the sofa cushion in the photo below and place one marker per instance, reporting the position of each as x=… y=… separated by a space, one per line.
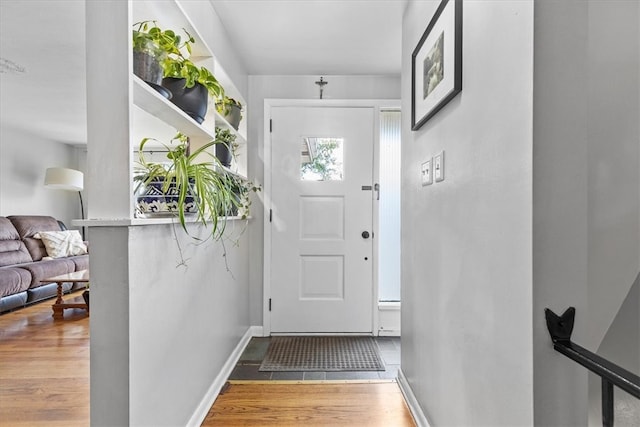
x=47 y=268
x=81 y=262
x=61 y=244
x=27 y=226
x=12 y=249
x=13 y=280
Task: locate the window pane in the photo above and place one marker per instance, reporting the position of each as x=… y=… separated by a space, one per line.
x=321 y=159
x=389 y=208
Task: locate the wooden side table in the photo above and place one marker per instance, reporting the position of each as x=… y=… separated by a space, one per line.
x=81 y=276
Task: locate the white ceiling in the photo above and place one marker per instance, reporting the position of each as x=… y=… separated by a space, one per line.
x=300 y=37
x=42 y=45
x=46 y=39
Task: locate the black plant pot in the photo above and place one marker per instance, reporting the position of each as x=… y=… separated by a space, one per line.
x=192 y=100
x=224 y=154
x=233 y=114
x=148 y=68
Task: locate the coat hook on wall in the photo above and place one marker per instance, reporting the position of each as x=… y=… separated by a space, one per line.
x=321 y=83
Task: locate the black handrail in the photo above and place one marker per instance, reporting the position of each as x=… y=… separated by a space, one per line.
x=560 y=329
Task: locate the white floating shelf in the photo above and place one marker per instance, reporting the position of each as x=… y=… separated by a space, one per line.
x=145 y=97
x=235 y=173
x=221 y=122
x=126 y=222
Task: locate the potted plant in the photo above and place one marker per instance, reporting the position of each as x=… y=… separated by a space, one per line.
x=190 y=84
x=230 y=109
x=241 y=202
x=151 y=46
x=226 y=146
x=184 y=185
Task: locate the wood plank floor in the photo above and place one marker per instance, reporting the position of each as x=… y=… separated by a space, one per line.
x=44 y=367
x=44 y=381
x=298 y=403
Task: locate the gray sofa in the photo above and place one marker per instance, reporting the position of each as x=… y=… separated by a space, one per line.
x=22 y=267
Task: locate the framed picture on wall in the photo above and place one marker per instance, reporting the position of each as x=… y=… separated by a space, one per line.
x=436 y=63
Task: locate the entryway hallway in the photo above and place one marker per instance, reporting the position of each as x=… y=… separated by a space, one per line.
x=44 y=380
x=345 y=398
x=248 y=365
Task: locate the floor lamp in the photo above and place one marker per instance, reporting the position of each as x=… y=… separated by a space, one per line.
x=66 y=179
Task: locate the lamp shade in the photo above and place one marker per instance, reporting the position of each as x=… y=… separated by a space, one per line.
x=64 y=179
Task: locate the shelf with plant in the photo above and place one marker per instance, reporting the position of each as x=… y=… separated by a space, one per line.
x=232 y=92
x=189 y=184
x=221 y=122
x=192 y=86
x=173 y=15
x=162 y=58
x=158 y=106
x=185 y=54
x=230 y=109
x=229 y=150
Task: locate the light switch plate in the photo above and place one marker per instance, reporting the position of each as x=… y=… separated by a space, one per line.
x=426 y=173
x=438 y=167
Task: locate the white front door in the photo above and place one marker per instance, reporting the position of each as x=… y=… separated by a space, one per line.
x=321 y=220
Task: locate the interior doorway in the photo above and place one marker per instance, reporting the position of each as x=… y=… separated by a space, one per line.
x=321 y=220
x=321 y=227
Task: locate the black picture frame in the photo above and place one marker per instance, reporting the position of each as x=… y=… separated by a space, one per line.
x=436 y=65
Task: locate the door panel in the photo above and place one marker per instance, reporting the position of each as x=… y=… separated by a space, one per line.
x=321 y=272
x=322 y=217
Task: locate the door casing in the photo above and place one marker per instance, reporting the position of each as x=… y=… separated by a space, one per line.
x=377 y=105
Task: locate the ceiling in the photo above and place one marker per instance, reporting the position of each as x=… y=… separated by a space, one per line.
x=42 y=88
x=42 y=45
x=289 y=37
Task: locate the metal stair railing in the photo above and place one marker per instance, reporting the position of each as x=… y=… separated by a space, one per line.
x=560 y=329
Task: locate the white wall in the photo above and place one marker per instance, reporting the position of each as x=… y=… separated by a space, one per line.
x=586 y=184
x=466 y=273
x=614 y=166
x=24 y=159
x=580 y=169
x=292 y=87
x=614 y=204
x=207 y=21
x=161 y=333
x=559 y=204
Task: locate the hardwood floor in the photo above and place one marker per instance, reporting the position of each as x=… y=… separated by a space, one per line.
x=297 y=403
x=44 y=381
x=44 y=367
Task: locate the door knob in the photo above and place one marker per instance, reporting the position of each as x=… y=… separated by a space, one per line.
x=365 y=234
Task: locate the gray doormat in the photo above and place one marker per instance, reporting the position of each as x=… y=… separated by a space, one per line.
x=322 y=354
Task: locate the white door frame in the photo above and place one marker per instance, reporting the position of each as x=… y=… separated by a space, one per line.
x=377 y=105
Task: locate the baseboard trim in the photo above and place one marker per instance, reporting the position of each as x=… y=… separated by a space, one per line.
x=210 y=397
x=416 y=411
x=389 y=319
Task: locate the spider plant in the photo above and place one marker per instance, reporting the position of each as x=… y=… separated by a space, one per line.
x=196 y=174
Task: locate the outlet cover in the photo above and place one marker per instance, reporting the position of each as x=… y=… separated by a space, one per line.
x=426 y=173
x=438 y=167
